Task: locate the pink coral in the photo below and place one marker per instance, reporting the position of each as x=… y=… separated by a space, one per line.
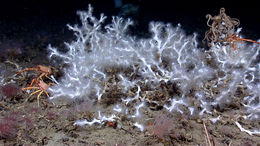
x=85 y=106
x=12 y=118
x=11 y=122
x=9 y=125
x=10 y=90
x=50 y=115
x=162 y=126
x=8 y=130
x=10 y=48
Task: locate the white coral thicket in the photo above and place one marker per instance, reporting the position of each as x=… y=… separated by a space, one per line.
x=103 y=57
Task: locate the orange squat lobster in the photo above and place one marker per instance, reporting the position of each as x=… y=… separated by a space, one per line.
x=232 y=38
x=40 y=85
x=44 y=70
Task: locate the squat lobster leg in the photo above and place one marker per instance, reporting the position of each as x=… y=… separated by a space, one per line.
x=234 y=37
x=25 y=70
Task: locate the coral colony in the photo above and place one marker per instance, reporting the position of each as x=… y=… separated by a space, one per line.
x=167 y=71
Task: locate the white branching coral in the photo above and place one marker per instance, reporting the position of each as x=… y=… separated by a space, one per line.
x=241 y=75
x=166 y=70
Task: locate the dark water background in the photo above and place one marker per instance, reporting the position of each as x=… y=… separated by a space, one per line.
x=20 y=17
